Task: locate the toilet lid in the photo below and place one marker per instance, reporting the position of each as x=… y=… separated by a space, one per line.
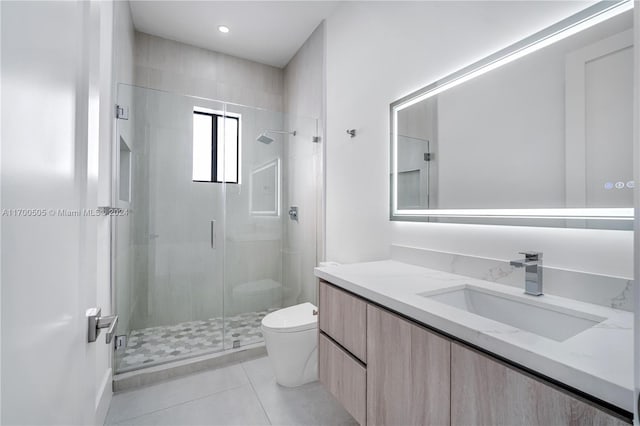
x=294 y=318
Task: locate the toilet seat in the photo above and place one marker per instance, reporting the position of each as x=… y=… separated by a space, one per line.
x=292 y=319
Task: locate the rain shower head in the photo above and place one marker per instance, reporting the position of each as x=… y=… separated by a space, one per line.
x=267 y=140
x=264 y=139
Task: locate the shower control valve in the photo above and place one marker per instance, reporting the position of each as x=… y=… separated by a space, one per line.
x=293 y=213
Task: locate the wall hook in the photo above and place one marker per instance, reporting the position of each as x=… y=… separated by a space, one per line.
x=351 y=132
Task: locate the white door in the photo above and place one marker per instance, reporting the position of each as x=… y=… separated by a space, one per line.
x=50 y=115
x=599 y=120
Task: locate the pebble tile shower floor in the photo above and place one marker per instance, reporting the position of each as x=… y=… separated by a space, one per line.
x=158 y=345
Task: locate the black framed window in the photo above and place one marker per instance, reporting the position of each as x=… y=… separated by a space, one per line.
x=216 y=147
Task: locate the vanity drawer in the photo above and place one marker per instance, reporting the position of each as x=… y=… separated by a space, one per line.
x=344 y=377
x=344 y=318
x=486 y=391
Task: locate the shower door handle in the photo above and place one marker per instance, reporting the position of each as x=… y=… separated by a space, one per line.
x=213 y=234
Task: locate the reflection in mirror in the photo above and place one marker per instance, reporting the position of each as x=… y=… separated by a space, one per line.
x=550 y=130
x=416 y=158
x=265 y=189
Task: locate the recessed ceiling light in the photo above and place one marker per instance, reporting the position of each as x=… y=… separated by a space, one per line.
x=223 y=29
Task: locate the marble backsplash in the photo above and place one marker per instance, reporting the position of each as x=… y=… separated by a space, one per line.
x=614 y=292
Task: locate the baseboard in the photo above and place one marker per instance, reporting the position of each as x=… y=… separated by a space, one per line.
x=103 y=399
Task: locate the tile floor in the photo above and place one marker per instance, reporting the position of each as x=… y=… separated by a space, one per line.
x=240 y=394
x=159 y=345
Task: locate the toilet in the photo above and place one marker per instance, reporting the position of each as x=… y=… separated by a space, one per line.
x=291 y=337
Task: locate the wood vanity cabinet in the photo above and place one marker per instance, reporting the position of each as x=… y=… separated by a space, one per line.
x=388 y=370
x=485 y=391
x=342 y=348
x=407 y=372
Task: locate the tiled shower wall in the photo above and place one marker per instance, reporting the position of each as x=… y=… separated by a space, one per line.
x=188 y=70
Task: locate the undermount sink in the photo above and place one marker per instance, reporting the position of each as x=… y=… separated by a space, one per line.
x=526 y=313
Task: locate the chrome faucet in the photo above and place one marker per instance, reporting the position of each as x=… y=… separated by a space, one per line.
x=532 y=263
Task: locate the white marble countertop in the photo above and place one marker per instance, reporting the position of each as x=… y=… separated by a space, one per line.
x=597 y=361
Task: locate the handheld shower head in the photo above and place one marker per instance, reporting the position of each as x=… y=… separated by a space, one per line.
x=264 y=139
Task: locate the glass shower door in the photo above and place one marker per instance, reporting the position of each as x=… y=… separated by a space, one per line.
x=221 y=227
x=169 y=248
x=271 y=221
x=254 y=228
x=302 y=191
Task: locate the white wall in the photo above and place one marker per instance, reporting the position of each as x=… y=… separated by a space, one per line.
x=117 y=69
x=0 y=226
x=636 y=164
x=103 y=372
x=303 y=102
x=379 y=52
x=304 y=77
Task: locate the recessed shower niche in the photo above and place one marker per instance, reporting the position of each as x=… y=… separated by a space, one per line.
x=124 y=172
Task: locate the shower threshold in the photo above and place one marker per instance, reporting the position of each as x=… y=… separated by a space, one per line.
x=180 y=368
x=154 y=346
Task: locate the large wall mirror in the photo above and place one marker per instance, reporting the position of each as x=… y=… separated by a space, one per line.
x=540 y=133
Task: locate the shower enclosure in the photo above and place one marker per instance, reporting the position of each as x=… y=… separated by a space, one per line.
x=205 y=245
